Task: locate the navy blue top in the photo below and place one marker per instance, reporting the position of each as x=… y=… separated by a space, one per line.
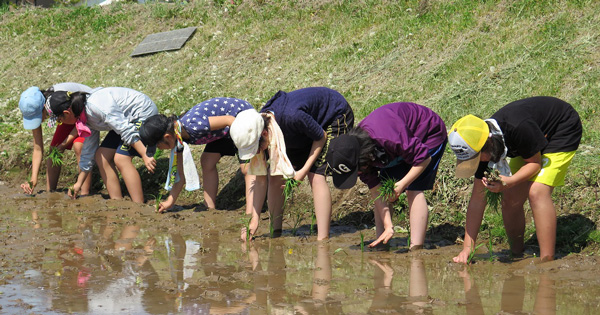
x=304 y=114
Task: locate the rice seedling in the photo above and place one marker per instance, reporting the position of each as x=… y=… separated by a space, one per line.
x=472 y=252
x=246 y=222
x=288 y=190
x=157 y=202
x=362 y=242
x=297 y=220
x=55 y=156
x=493 y=198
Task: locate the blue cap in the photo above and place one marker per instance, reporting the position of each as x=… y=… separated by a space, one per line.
x=31 y=105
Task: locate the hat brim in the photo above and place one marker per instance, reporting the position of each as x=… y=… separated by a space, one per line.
x=248 y=152
x=345 y=180
x=467 y=168
x=32 y=123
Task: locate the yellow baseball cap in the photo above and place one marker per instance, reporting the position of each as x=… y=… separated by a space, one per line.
x=466 y=138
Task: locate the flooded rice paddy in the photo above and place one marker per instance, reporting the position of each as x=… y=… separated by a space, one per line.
x=97 y=256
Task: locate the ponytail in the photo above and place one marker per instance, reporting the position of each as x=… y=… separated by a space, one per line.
x=78 y=101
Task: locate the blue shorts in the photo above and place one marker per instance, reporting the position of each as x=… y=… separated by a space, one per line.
x=426 y=180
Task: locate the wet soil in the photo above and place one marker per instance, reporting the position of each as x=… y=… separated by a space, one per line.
x=99 y=256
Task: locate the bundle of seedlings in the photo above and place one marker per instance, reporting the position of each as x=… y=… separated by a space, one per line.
x=55 y=156
x=493 y=198
x=386 y=190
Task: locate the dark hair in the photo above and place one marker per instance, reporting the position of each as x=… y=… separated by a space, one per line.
x=367 y=148
x=61 y=101
x=494 y=145
x=78 y=101
x=47 y=92
x=155 y=127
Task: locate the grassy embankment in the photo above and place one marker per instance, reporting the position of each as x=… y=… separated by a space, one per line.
x=455 y=57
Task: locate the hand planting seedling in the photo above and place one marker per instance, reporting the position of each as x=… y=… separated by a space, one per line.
x=493 y=198
x=472 y=252
x=157 y=202
x=246 y=222
x=55 y=156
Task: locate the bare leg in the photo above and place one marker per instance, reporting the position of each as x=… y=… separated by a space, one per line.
x=108 y=171
x=322 y=201
x=210 y=177
x=275 y=201
x=419 y=215
x=544 y=214
x=87 y=184
x=377 y=212
x=131 y=177
x=52 y=175
x=513 y=215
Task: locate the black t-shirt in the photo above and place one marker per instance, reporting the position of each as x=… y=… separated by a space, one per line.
x=537 y=124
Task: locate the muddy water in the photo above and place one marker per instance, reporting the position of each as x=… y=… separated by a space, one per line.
x=96 y=256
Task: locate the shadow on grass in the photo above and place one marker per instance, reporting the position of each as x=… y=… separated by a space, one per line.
x=573 y=234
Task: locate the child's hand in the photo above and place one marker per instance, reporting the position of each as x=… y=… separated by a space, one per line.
x=463 y=256
x=495 y=186
x=150 y=163
x=29 y=187
x=74 y=192
x=166 y=205
x=399 y=188
x=61 y=147
x=384 y=237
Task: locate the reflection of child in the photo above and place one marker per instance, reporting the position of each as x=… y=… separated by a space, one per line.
x=401 y=141
x=206 y=123
x=540 y=135
x=309 y=118
x=65 y=137
x=117 y=110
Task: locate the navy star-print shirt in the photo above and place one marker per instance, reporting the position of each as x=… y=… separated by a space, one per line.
x=195 y=121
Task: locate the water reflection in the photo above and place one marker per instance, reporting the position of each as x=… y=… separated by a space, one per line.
x=385 y=300
x=319 y=301
x=513 y=295
x=112 y=259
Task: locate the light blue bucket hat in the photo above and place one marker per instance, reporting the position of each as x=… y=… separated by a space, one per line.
x=31 y=105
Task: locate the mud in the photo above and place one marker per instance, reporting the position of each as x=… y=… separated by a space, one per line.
x=98 y=256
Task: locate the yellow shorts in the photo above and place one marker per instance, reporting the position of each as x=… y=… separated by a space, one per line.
x=554 y=168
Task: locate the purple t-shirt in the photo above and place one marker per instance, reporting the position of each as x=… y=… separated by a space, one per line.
x=406 y=132
x=195 y=121
x=303 y=114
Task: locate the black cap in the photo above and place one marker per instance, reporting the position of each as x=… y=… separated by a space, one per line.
x=152 y=131
x=342 y=158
